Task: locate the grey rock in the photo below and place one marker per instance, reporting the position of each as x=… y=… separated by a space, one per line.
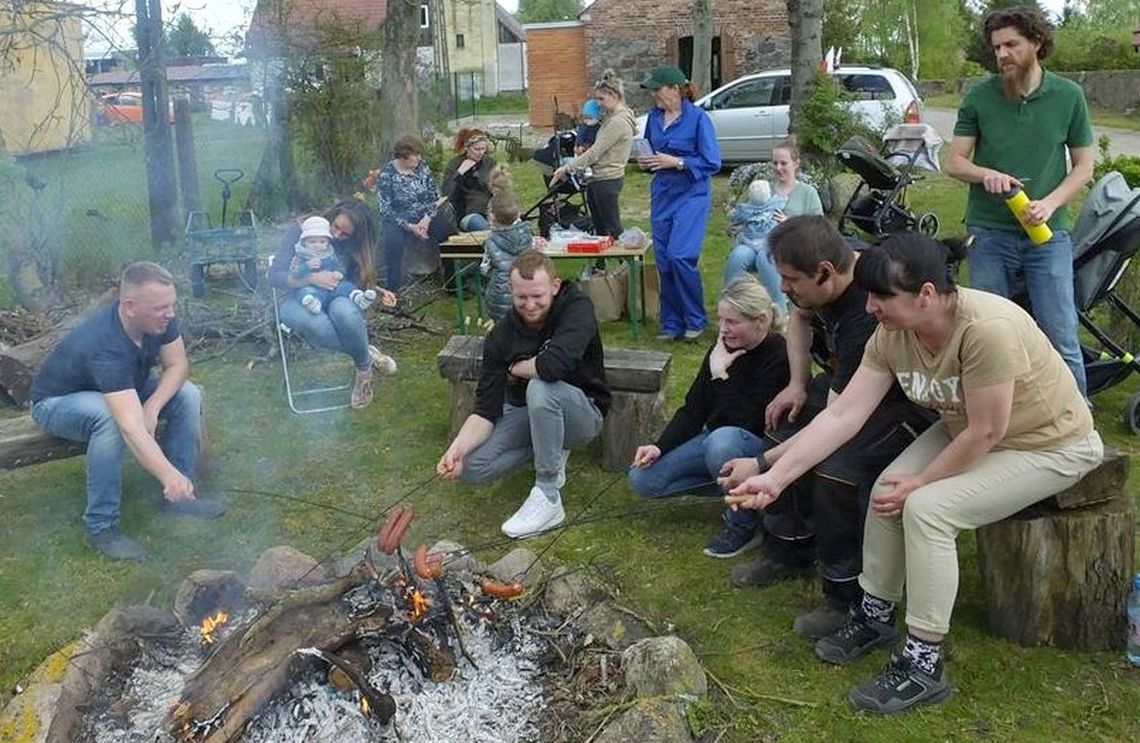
x=648 y=721
x=612 y=627
x=285 y=567
x=352 y=558
x=205 y=591
x=455 y=558
x=569 y=590
x=29 y=716
x=517 y=565
x=664 y=667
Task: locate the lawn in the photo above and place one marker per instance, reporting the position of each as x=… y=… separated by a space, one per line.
x=299 y=479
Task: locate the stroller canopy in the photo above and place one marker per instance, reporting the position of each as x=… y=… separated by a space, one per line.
x=913 y=145
x=1110 y=205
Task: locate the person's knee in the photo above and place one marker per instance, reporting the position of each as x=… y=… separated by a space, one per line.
x=342 y=310
x=643 y=482
x=924 y=510
x=188 y=399
x=540 y=393
x=725 y=443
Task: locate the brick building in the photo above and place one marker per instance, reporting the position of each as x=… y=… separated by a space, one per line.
x=633 y=36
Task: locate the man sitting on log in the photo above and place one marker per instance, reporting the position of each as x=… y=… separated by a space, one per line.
x=99 y=386
x=542 y=391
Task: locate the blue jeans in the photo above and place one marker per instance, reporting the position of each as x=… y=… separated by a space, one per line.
x=474 y=222
x=339 y=328
x=694 y=466
x=744 y=257
x=84 y=416
x=342 y=289
x=1004 y=261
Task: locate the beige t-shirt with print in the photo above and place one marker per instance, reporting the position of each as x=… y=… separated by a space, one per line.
x=992 y=340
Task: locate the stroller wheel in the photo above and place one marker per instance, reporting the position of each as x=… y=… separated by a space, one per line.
x=928 y=224
x=1132 y=413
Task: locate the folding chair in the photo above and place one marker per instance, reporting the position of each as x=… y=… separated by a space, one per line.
x=298 y=397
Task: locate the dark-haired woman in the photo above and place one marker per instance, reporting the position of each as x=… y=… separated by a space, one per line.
x=341 y=327
x=1014 y=429
x=685 y=157
x=408 y=198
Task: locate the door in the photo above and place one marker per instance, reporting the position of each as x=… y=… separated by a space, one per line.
x=742 y=114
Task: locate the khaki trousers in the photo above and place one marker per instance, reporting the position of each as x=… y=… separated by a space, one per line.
x=919 y=549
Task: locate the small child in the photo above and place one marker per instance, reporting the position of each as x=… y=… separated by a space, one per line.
x=509 y=237
x=588 y=128
x=754 y=219
x=314 y=252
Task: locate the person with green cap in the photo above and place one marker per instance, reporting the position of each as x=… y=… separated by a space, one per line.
x=685 y=157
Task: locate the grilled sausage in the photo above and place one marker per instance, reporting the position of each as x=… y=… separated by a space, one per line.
x=501 y=590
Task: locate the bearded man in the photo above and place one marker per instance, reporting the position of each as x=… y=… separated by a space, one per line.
x=1013 y=131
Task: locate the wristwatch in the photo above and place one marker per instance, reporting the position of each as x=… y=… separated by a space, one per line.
x=680 y=163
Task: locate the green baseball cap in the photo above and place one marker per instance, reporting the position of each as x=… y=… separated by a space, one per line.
x=664 y=75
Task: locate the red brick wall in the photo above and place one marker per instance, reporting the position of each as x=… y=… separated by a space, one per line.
x=556 y=68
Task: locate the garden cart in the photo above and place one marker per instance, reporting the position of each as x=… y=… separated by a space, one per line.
x=233 y=243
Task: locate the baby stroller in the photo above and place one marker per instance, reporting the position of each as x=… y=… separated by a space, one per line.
x=879 y=205
x=1105 y=237
x=565 y=204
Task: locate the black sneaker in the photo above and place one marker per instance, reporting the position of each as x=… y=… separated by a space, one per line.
x=116 y=545
x=858 y=636
x=900 y=686
x=766 y=571
x=199 y=508
x=820 y=623
x=733 y=541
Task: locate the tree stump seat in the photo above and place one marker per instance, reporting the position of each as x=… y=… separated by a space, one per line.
x=23 y=443
x=637 y=384
x=1058 y=573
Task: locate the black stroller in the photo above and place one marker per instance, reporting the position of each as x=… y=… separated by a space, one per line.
x=879 y=205
x=1106 y=236
x=565 y=204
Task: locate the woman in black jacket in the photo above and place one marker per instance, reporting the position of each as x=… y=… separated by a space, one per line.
x=467 y=180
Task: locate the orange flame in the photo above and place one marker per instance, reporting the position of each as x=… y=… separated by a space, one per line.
x=420 y=604
x=211 y=624
x=365 y=707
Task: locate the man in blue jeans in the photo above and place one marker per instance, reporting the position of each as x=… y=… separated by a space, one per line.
x=99 y=386
x=1014 y=130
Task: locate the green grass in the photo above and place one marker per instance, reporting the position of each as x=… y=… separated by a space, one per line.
x=1099 y=116
x=51 y=587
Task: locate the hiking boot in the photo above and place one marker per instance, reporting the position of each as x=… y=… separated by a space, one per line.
x=381 y=361
x=198 y=508
x=115 y=545
x=362 y=299
x=732 y=541
x=858 y=636
x=766 y=571
x=536 y=515
x=820 y=623
x=362 y=390
x=311 y=303
x=900 y=686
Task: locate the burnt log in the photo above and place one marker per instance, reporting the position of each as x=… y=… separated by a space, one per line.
x=1060 y=577
x=253 y=663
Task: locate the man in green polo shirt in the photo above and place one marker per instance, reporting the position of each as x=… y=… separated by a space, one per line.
x=1014 y=130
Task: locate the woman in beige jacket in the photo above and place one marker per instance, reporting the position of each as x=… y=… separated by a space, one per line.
x=607 y=156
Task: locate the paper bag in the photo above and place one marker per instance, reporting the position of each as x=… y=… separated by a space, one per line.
x=608 y=291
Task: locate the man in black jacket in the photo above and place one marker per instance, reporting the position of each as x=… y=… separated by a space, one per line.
x=541 y=392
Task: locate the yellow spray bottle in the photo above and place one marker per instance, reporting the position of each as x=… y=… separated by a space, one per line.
x=1018 y=203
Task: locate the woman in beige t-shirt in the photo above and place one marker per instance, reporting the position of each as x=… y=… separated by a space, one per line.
x=1014 y=429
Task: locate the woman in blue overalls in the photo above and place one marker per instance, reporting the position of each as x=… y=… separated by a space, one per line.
x=685 y=156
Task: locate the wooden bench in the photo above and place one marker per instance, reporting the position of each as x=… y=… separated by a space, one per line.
x=636 y=380
x=1058 y=573
x=23 y=443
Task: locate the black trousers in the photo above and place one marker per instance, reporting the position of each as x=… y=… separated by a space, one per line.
x=602 y=200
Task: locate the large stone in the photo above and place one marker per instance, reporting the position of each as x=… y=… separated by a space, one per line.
x=29 y=715
x=456 y=559
x=612 y=627
x=520 y=564
x=284 y=567
x=648 y=721
x=568 y=590
x=664 y=667
x=205 y=591
x=352 y=558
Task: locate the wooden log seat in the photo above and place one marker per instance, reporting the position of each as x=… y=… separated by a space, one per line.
x=1058 y=573
x=636 y=379
x=23 y=443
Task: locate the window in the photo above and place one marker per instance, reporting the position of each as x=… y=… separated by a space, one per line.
x=425 y=17
x=867 y=87
x=747 y=94
x=459 y=41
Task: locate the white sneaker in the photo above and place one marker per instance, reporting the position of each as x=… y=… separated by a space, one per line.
x=561 y=481
x=382 y=362
x=363 y=299
x=311 y=303
x=536 y=515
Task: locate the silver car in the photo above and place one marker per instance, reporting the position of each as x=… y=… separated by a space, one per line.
x=751 y=113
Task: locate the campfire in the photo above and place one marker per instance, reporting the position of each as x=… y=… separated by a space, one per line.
x=211 y=623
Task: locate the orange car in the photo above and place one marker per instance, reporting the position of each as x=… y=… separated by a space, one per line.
x=124 y=108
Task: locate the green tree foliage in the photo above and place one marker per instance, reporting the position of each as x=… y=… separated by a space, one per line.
x=923 y=38
x=1096 y=36
x=542 y=11
x=185 y=39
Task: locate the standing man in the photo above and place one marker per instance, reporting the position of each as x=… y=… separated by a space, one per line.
x=541 y=392
x=1014 y=130
x=823 y=520
x=99 y=386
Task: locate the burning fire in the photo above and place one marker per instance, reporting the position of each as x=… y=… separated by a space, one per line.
x=420 y=604
x=365 y=707
x=211 y=624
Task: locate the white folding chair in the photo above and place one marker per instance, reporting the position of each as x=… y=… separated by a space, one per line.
x=287 y=342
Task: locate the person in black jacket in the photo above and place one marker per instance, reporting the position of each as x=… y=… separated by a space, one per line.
x=542 y=391
x=723 y=414
x=467 y=180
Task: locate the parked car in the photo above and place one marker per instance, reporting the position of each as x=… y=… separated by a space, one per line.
x=751 y=113
x=124 y=108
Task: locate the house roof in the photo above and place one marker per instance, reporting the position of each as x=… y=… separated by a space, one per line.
x=510 y=22
x=183 y=74
x=268 y=33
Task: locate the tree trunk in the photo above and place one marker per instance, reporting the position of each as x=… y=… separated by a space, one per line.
x=702 y=46
x=161 y=189
x=399 y=106
x=1060 y=578
x=806 y=20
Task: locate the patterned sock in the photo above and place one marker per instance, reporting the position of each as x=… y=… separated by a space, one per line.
x=922 y=653
x=878 y=609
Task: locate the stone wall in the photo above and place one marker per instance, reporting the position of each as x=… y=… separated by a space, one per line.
x=634 y=36
x=1111 y=90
